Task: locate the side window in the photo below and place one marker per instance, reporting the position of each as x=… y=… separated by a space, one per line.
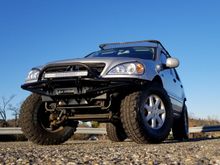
x=163 y=58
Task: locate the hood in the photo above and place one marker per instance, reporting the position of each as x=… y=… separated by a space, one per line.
x=105 y=60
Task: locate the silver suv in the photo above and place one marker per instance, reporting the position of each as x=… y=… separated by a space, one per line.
x=132 y=86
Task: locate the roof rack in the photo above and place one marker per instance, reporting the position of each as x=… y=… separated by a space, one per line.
x=102 y=46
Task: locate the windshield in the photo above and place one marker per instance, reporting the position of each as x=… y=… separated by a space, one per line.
x=135 y=52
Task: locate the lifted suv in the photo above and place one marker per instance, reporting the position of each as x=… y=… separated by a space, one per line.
x=133 y=86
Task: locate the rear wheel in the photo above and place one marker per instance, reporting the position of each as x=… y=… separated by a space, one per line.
x=147 y=115
x=181 y=126
x=115 y=132
x=36 y=125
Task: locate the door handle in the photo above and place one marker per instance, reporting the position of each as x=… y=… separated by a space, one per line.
x=174 y=80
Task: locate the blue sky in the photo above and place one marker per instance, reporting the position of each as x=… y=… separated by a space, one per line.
x=33 y=32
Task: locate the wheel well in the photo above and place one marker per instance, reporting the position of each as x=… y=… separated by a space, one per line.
x=157 y=80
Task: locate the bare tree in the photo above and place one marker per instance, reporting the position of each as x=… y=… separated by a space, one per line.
x=3 y=108
x=15 y=112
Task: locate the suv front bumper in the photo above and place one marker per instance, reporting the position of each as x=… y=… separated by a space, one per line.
x=81 y=86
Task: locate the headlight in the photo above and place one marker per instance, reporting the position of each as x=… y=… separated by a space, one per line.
x=32 y=76
x=133 y=68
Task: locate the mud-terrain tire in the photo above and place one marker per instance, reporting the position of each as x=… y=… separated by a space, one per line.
x=115 y=132
x=134 y=112
x=31 y=122
x=181 y=126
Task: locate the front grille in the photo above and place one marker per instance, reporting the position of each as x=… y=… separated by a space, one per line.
x=96 y=68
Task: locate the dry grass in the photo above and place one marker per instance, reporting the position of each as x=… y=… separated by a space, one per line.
x=202 y=122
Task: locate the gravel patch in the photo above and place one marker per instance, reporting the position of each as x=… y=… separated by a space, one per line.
x=106 y=153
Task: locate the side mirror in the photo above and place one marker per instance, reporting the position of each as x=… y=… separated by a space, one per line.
x=172 y=62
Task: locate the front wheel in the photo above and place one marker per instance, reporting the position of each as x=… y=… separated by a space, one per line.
x=35 y=123
x=147 y=115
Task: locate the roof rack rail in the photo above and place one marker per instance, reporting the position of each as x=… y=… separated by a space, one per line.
x=102 y=46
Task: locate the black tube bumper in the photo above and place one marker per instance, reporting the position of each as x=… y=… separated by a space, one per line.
x=80 y=86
